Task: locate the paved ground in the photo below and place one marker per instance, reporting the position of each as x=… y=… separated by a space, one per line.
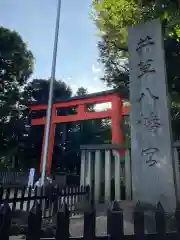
x=15 y=238
x=76 y=227
x=77 y=223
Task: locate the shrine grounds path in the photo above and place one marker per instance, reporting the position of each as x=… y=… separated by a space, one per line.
x=77 y=222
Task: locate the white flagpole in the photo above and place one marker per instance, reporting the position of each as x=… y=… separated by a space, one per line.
x=50 y=100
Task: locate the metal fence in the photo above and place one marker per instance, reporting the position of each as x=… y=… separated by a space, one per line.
x=14 y=178
x=49 y=198
x=115 y=224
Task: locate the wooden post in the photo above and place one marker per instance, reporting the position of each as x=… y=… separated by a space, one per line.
x=15 y=199
x=1 y=192
x=83 y=167
x=108 y=177
x=89 y=170
x=87 y=197
x=115 y=222
x=89 y=223
x=97 y=176
x=138 y=222
x=128 y=176
x=5 y=221
x=160 y=221
x=117 y=132
x=23 y=192
x=29 y=196
x=117 y=175
x=34 y=222
x=62 y=231
x=177 y=216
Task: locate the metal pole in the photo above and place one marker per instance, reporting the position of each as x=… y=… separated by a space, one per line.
x=50 y=100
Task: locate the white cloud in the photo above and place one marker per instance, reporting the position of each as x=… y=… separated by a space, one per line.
x=97 y=88
x=96 y=78
x=95 y=69
x=90 y=81
x=74 y=88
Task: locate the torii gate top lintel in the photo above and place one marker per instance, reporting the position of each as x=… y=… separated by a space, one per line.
x=93 y=96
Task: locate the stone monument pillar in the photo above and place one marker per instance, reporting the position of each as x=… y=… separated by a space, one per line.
x=151 y=150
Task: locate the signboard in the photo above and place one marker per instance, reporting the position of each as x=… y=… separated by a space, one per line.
x=151 y=154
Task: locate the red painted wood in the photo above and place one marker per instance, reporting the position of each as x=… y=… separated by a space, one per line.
x=74 y=103
x=38 y=107
x=80 y=117
x=117 y=118
x=117 y=133
x=39 y=121
x=125 y=110
x=115 y=114
x=73 y=118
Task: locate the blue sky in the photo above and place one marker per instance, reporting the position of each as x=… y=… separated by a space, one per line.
x=77 y=52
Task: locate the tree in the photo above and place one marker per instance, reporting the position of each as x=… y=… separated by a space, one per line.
x=113 y=19
x=38 y=91
x=81 y=91
x=16 y=66
x=116 y=67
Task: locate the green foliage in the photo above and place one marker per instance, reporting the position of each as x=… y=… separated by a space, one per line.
x=113 y=19
x=116 y=67
x=81 y=91
x=38 y=91
x=16 y=65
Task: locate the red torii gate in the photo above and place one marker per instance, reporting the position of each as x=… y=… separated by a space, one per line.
x=80 y=103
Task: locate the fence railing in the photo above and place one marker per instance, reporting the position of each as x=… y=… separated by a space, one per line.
x=115 y=223
x=14 y=178
x=11 y=179
x=105 y=169
x=49 y=198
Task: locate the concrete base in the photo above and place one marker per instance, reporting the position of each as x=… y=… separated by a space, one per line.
x=128 y=208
